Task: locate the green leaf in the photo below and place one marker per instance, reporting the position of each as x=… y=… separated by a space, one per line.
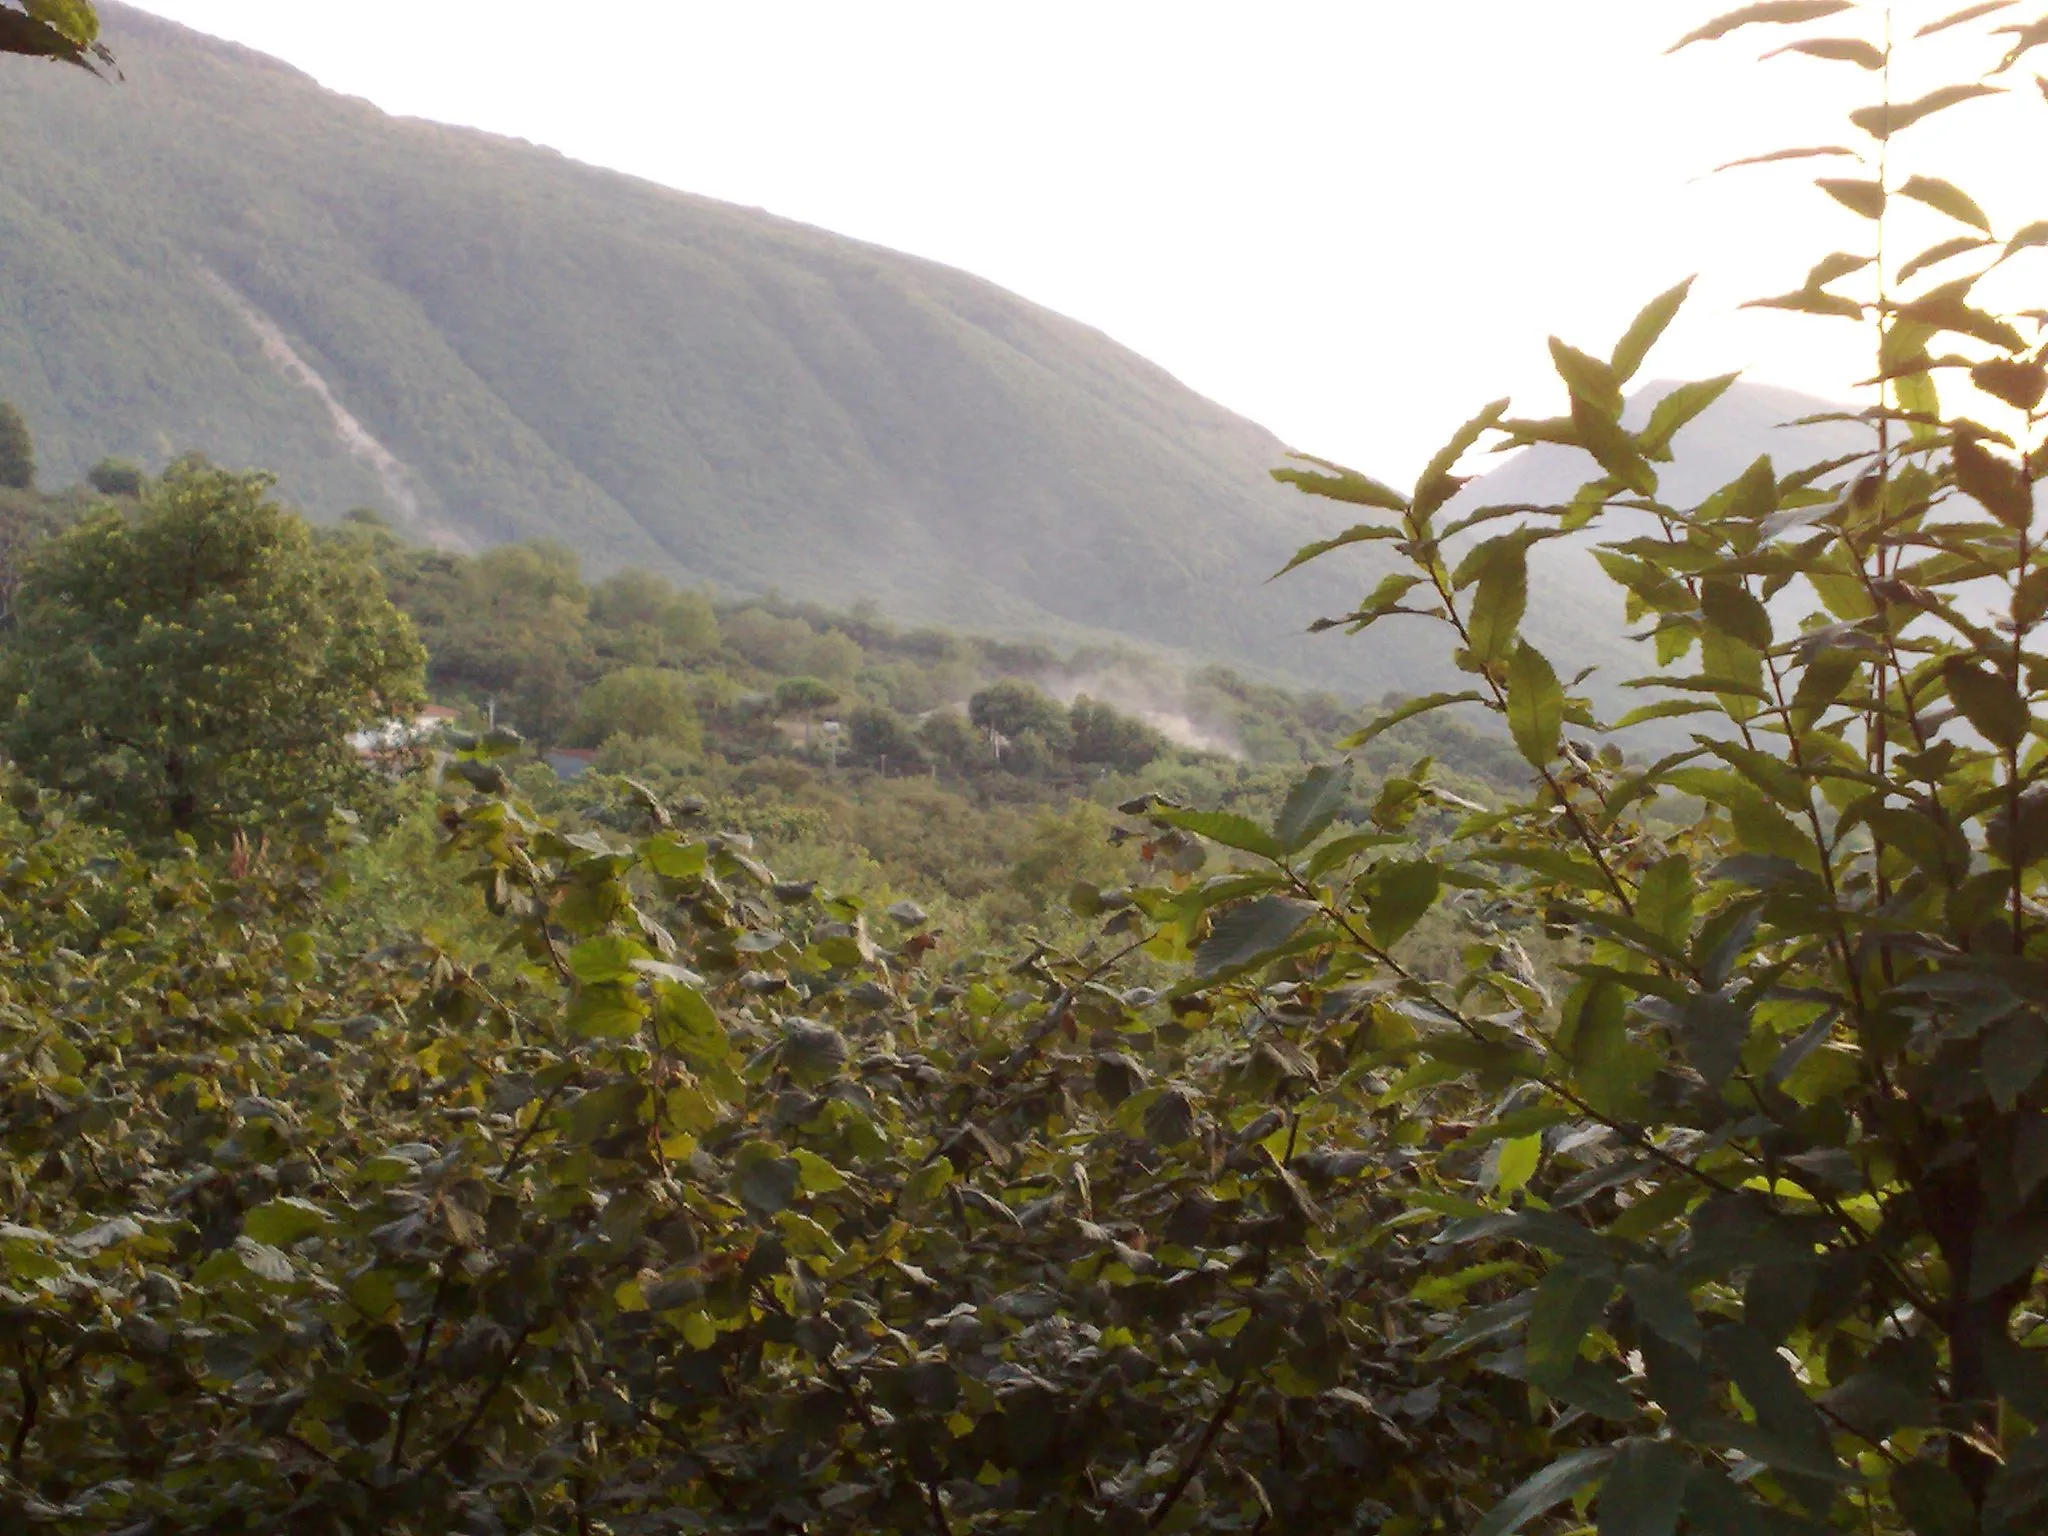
x=1246 y=934
x=1402 y=893
x=1775 y=12
x=1568 y=1302
x=1645 y=330
x=1406 y=712
x=606 y=958
x=75 y=19
x=1438 y=484
x=1563 y=1479
x=1640 y=1494
x=1502 y=596
x=1988 y=701
x=1946 y=197
x=1535 y=705
x=1729 y=608
x=817 y=1176
x=1665 y=898
x=1933 y=1500
x=764 y=1182
x=1359 y=533
x=1228 y=829
x=1341 y=850
x=281 y=1223
x=263 y=1261
x=1516 y=1164
x=2002 y=489
x=1312 y=805
x=1587 y=377
x=605 y=1012
x=1677 y=409
x=1336 y=483
x=812 y=1053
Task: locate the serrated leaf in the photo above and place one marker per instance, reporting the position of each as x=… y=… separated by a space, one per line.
x=1406 y=712
x=1402 y=893
x=1858 y=195
x=2002 y=489
x=1535 y=705
x=1671 y=414
x=1360 y=533
x=1312 y=805
x=1988 y=701
x=1562 y=1479
x=1245 y=934
x=1501 y=599
x=1646 y=329
x=1946 y=197
x=1438 y=484
x=1227 y=828
x=1664 y=899
x=1333 y=482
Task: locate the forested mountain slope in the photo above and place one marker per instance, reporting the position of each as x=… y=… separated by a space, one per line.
x=493 y=342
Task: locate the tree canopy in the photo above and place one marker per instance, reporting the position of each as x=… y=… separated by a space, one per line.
x=202 y=665
x=17 y=450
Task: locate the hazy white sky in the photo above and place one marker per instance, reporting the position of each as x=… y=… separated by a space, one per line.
x=1351 y=220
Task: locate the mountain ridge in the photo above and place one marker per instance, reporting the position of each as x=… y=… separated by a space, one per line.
x=221 y=254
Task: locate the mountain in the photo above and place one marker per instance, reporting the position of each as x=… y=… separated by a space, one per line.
x=491 y=342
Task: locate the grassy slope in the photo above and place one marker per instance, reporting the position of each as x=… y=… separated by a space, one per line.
x=655 y=378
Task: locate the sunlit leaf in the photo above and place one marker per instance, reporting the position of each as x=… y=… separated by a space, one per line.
x=1967 y=14
x=1645 y=330
x=1778 y=12
x=1888 y=118
x=1843 y=50
x=1946 y=197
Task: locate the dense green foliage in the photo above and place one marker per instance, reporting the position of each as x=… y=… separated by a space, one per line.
x=201 y=666
x=17 y=451
x=1641 y=1148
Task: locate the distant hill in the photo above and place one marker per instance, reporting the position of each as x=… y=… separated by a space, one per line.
x=491 y=342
